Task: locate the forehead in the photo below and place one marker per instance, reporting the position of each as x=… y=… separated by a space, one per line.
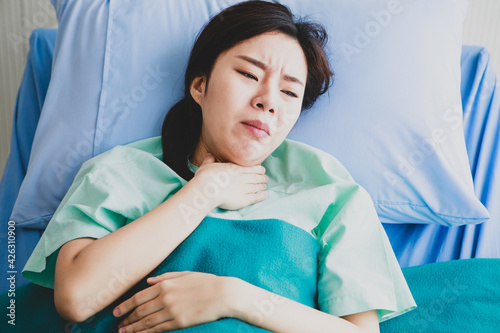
x=278 y=51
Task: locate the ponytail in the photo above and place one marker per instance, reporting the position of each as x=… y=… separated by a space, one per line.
x=180 y=134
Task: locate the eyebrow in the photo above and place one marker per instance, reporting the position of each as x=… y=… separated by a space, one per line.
x=265 y=67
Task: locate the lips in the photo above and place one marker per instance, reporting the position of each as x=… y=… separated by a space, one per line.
x=257 y=124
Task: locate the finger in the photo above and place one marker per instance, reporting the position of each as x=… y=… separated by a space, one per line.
x=147 y=324
x=165 y=276
x=258 y=169
x=166 y=326
x=141 y=312
x=257 y=197
x=254 y=188
x=138 y=299
x=256 y=179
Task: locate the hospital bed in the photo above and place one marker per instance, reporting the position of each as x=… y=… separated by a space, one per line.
x=453 y=270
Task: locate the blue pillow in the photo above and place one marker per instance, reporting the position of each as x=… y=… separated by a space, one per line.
x=393 y=116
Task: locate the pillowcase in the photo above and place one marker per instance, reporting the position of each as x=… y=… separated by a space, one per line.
x=393 y=116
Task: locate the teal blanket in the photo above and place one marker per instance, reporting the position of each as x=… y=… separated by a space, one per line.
x=454 y=296
x=268 y=253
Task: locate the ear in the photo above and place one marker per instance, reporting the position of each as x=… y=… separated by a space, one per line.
x=197 y=89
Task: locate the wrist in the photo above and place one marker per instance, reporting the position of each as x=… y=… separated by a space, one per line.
x=203 y=195
x=234 y=292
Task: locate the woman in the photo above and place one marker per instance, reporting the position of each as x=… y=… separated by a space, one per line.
x=236 y=222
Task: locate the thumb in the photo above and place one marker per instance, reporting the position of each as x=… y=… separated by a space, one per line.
x=209 y=158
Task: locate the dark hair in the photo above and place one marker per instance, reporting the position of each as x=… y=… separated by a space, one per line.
x=182 y=125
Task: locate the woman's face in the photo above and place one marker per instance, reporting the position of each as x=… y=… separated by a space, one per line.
x=253 y=99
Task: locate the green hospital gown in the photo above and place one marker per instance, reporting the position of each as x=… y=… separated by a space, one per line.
x=307 y=188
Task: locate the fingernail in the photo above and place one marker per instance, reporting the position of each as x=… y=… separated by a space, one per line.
x=116 y=312
x=122 y=330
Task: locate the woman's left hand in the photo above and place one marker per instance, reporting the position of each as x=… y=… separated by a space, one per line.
x=175 y=300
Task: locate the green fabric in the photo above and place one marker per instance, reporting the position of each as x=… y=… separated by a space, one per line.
x=308 y=188
x=455 y=296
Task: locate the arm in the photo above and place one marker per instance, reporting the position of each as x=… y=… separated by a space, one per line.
x=270 y=311
x=109 y=266
x=91 y=274
x=183 y=299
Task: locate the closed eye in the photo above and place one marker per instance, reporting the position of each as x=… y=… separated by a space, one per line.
x=248 y=75
x=252 y=77
x=289 y=93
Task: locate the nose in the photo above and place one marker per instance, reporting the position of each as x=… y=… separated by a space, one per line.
x=265 y=100
x=261 y=106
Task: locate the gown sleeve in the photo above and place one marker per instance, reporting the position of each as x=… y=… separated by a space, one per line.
x=109 y=191
x=357 y=268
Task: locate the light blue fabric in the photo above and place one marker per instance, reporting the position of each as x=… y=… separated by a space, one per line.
x=421 y=244
x=397 y=87
x=30 y=98
x=394 y=115
x=68 y=115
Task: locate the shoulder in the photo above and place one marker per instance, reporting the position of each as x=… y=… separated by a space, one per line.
x=296 y=159
x=148 y=148
x=133 y=157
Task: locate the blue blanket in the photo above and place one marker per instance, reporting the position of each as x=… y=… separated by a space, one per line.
x=270 y=253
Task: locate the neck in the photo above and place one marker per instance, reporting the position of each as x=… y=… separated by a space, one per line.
x=199 y=154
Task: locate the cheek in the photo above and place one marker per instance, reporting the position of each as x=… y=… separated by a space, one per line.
x=219 y=112
x=226 y=95
x=286 y=121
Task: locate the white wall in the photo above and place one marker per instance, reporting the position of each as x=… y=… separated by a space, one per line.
x=482 y=27
x=19 y=17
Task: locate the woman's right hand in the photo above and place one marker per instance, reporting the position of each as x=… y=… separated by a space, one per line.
x=233 y=186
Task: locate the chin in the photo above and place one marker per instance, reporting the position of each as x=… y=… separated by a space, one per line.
x=245 y=162
x=249 y=154
x=247 y=159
